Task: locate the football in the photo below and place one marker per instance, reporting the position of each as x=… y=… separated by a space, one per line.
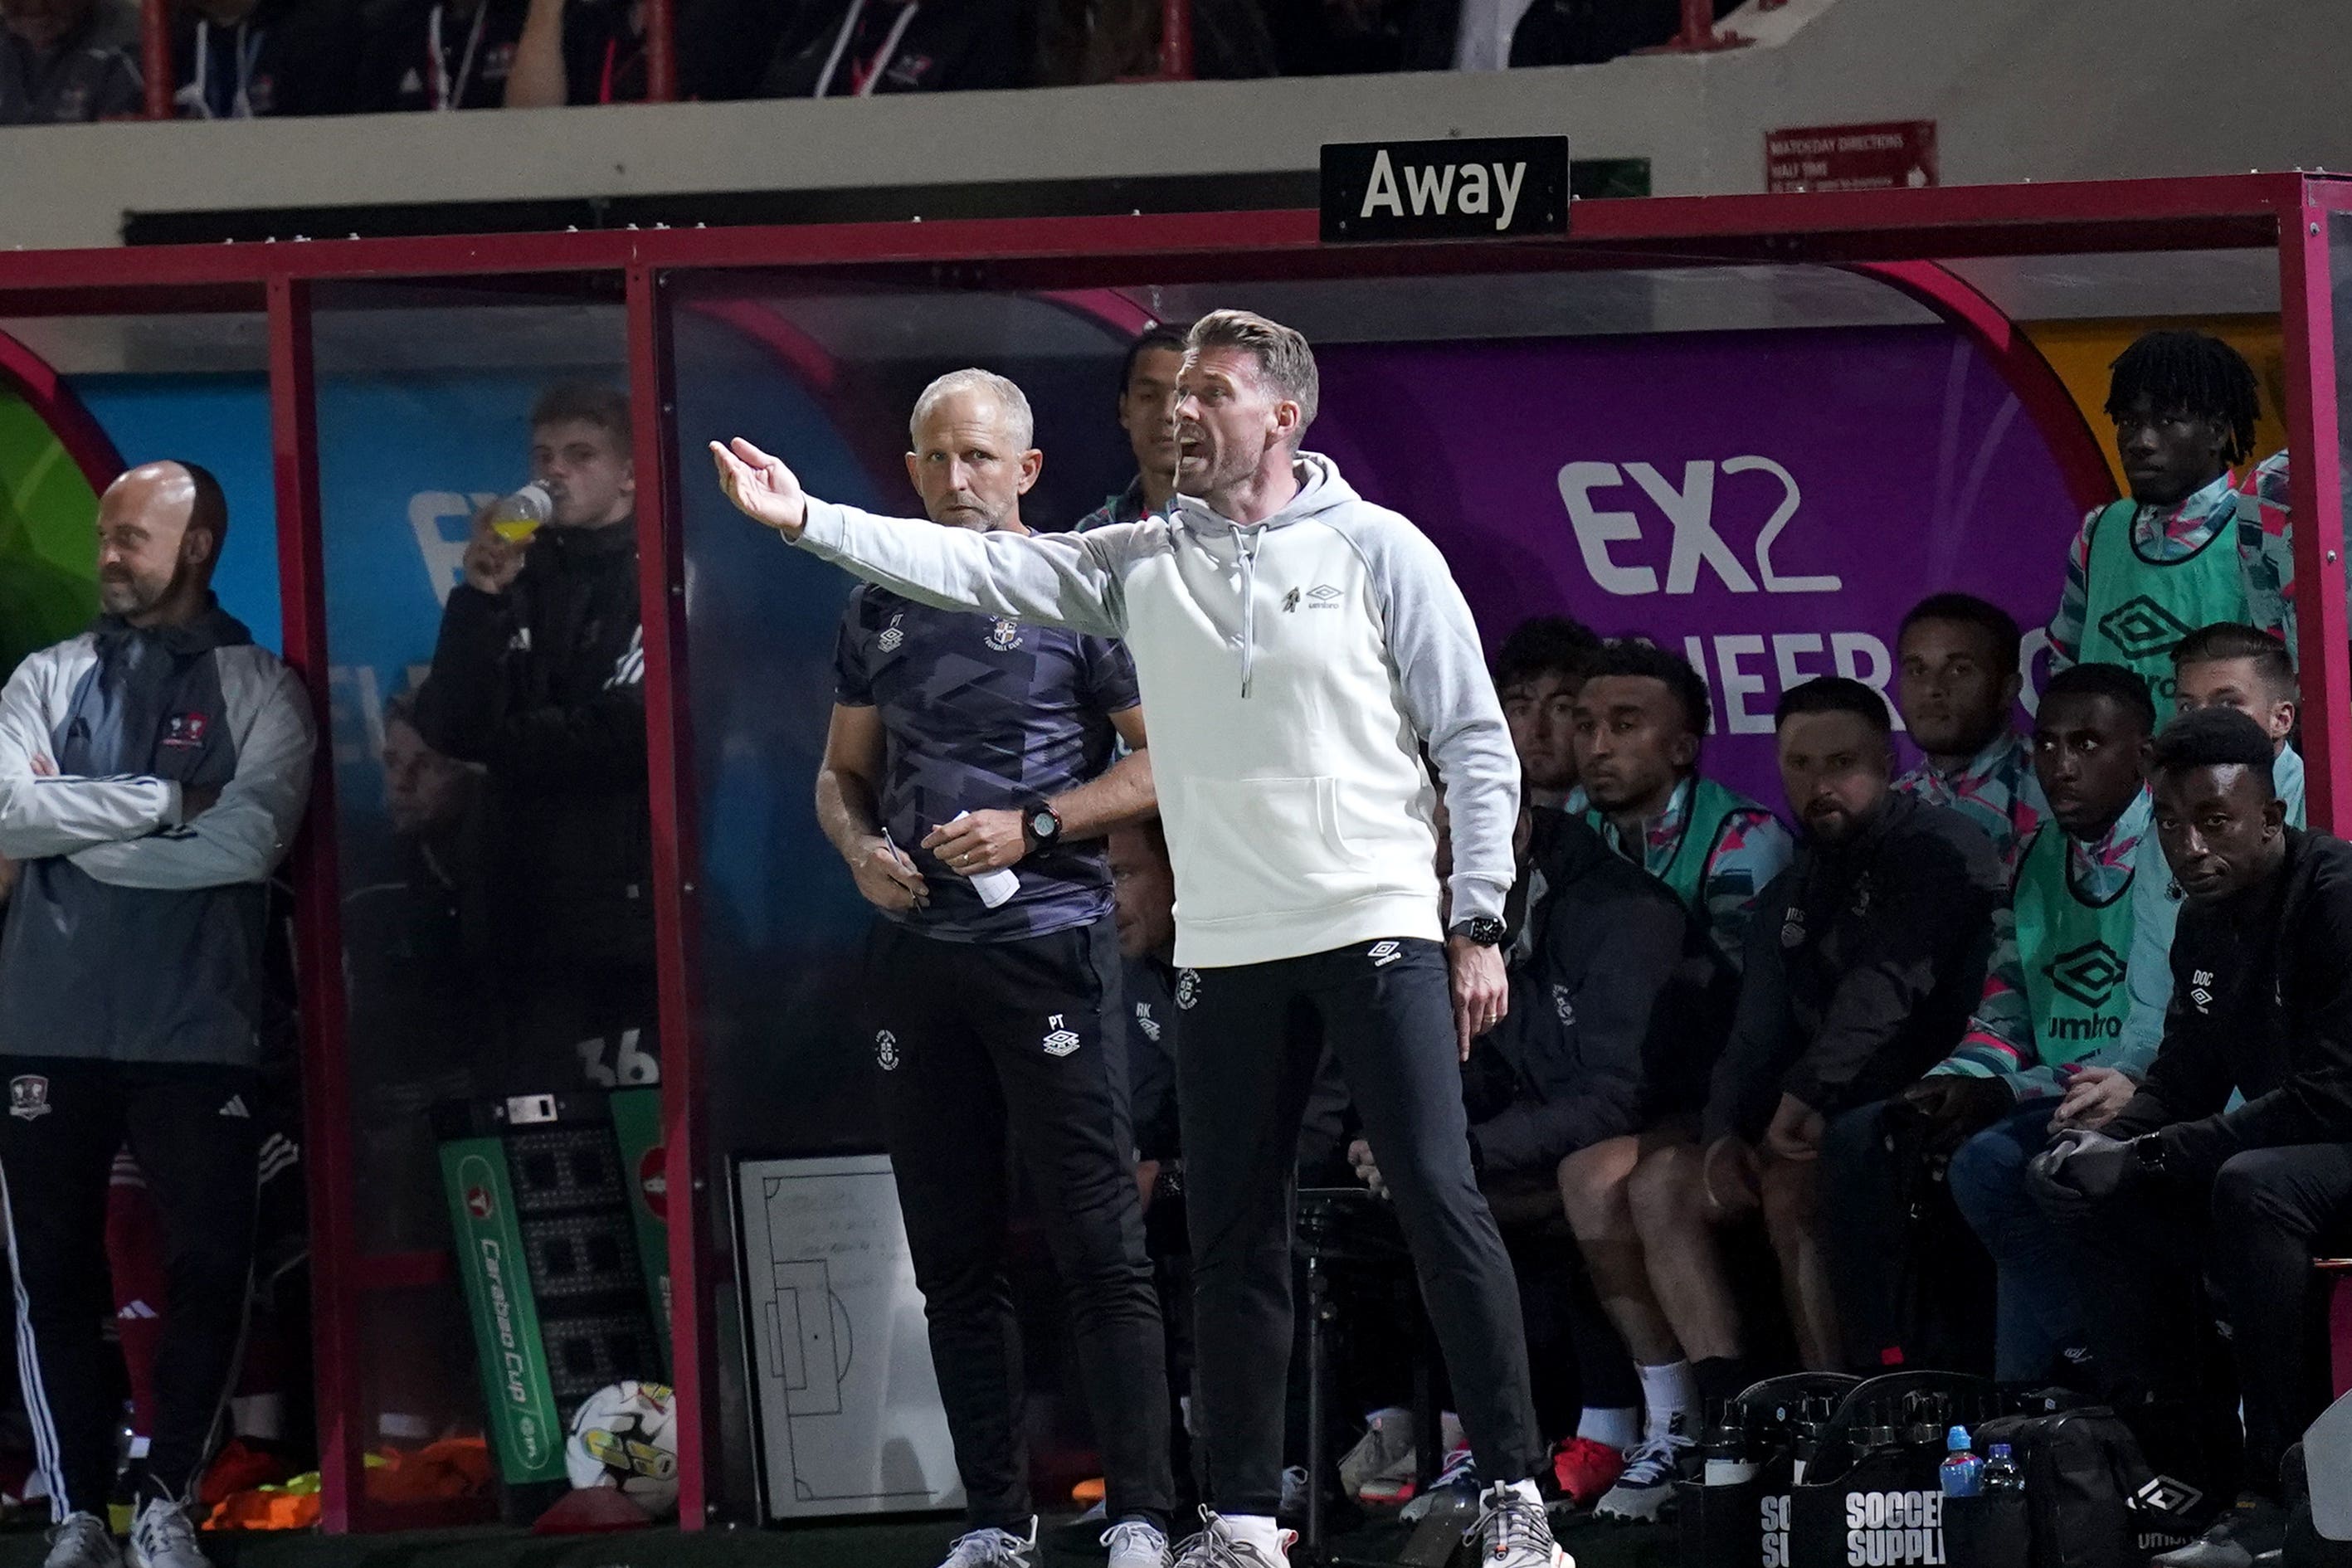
x=626 y=1437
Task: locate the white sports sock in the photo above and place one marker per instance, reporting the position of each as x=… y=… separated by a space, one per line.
x=1620 y=1429
x=1257 y=1530
x=1530 y=1490
x=1669 y=1391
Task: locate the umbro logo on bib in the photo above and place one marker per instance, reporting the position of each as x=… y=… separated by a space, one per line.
x=2089 y=973
x=2140 y=626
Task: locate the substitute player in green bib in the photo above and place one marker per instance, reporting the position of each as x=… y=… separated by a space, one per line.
x=2148 y=570
x=2055 y=1004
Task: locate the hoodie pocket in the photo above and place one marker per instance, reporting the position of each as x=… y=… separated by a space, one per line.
x=1261 y=847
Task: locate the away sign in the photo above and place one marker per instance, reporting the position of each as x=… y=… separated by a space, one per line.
x=1507 y=187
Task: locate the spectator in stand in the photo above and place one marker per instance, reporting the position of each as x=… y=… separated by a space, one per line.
x=2051 y=1010
x=1090 y=41
x=2179 y=1187
x=580 y=51
x=241 y=59
x=539 y=679
x=1537 y=672
x=440 y=54
x=1316 y=37
x=1146 y=412
x=1956 y=685
x=854 y=49
x=2147 y=571
x=64 y=62
x=1866 y=954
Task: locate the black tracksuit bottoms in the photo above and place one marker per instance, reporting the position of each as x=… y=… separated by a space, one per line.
x=983 y=1051
x=194 y=1132
x=2252 y=1233
x=1251 y=1037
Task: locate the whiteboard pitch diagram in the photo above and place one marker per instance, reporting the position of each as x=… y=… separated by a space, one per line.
x=847 y=1413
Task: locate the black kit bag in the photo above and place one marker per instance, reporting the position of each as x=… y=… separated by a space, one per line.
x=2090 y=1500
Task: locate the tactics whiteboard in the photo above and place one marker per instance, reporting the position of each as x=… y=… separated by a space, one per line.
x=845 y=1408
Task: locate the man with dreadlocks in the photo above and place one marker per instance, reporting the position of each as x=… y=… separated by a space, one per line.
x=2150 y=569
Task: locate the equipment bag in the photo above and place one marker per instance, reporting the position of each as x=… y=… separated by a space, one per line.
x=2090 y=1500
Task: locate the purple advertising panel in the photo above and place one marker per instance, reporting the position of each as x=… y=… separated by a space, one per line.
x=1769 y=502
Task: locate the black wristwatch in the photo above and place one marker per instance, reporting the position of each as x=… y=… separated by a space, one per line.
x=1484 y=929
x=2147 y=1148
x=1042 y=827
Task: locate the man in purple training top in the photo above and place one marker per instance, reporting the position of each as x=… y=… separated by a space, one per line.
x=968 y=781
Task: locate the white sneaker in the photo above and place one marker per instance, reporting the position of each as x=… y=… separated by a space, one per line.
x=1645 y=1489
x=82 y=1542
x=161 y=1537
x=1136 y=1543
x=1514 y=1532
x=993 y=1549
x=1218 y=1547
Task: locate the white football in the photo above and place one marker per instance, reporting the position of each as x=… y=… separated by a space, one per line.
x=626 y=1437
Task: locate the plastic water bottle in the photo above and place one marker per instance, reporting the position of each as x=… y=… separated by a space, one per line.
x=517 y=517
x=1963 y=1472
x=2000 y=1471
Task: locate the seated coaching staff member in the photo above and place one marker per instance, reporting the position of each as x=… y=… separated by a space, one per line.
x=151 y=771
x=1301 y=645
x=2179 y=1184
x=967 y=745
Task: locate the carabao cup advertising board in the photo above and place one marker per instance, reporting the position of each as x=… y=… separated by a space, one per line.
x=1767 y=503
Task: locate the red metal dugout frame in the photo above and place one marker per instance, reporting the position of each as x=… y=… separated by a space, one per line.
x=1896 y=236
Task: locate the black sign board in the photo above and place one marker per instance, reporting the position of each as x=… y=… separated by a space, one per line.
x=1499 y=187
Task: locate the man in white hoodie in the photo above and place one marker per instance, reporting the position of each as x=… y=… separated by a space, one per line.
x=1298 y=648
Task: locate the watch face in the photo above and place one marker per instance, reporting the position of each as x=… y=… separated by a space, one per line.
x=1044 y=825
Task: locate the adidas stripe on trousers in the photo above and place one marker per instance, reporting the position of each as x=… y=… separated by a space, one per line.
x=195 y=1132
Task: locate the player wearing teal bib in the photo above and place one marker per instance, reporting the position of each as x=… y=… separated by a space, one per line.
x=2147 y=572
x=2052 y=1018
x=2054 y=997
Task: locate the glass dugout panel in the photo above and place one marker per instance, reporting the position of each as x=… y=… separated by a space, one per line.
x=491 y=832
